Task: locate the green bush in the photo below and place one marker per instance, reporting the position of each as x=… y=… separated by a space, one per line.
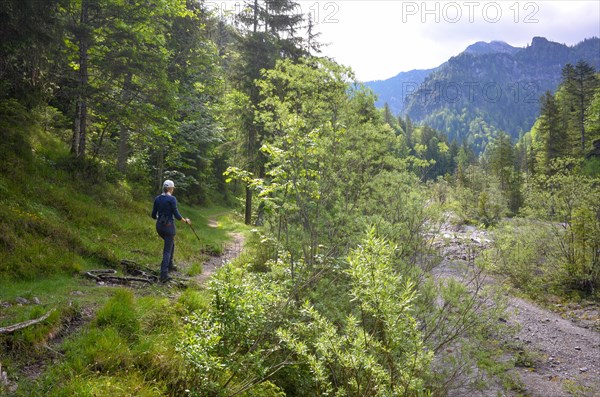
x=525 y=251
x=193 y=300
x=568 y=201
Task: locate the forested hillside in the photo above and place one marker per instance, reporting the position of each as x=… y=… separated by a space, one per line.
x=357 y=277
x=488 y=88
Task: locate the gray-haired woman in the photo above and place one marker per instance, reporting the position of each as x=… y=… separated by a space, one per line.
x=165 y=212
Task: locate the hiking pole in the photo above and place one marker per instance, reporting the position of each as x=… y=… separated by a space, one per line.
x=195 y=234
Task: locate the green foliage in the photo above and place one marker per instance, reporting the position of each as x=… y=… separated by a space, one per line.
x=145 y=103
x=524 y=251
x=568 y=200
x=591 y=167
x=491 y=204
x=29 y=34
x=378 y=351
x=479 y=199
x=231 y=345
x=568 y=124
x=15 y=123
x=395 y=206
x=326 y=144
x=252 y=332
x=432 y=157
x=554 y=249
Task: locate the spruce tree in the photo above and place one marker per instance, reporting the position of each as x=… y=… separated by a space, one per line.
x=580 y=82
x=270 y=32
x=552 y=129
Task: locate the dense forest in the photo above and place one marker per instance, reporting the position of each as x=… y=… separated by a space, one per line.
x=341 y=205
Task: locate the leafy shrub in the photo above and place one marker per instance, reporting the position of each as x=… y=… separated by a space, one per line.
x=252 y=330
x=568 y=201
x=231 y=345
x=524 y=250
x=380 y=350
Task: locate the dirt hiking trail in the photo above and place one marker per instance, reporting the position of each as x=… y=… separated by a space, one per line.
x=231 y=250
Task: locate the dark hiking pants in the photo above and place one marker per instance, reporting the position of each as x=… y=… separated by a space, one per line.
x=167 y=232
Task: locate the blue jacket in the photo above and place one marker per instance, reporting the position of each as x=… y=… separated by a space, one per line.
x=165 y=208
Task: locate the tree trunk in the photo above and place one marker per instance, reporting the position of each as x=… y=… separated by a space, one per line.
x=582 y=115
x=123 y=153
x=160 y=168
x=255 y=15
x=248 y=209
x=78 y=140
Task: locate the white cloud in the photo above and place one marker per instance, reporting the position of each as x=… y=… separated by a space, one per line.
x=378 y=39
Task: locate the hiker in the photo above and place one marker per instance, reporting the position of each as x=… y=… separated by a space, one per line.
x=165 y=211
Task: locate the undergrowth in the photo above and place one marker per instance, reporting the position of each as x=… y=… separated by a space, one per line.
x=58 y=217
x=128 y=350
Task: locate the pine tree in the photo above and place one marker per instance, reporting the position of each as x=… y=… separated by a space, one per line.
x=552 y=129
x=271 y=32
x=409 y=130
x=580 y=82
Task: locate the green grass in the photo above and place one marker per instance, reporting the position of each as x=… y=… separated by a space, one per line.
x=101 y=340
x=130 y=349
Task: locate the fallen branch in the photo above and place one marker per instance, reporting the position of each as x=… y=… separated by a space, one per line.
x=15 y=327
x=127 y=279
x=137 y=272
x=98 y=275
x=132 y=267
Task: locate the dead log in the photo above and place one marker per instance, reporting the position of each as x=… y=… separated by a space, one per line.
x=15 y=327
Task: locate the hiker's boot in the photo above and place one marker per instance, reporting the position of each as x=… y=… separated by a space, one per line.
x=165 y=279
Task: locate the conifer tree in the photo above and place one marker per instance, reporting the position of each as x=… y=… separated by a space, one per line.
x=271 y=32
x=580 y=82
x=552 y=129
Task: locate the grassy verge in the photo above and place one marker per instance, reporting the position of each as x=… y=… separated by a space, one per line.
x=99 y=340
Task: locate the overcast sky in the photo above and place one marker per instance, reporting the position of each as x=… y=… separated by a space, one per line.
x=379 y=39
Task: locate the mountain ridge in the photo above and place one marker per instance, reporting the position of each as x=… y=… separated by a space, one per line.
x=487 y=88
x=494 y=46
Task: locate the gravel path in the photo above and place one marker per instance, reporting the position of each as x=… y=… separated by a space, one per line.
x=566 y=354
x=231 y=251
x=569 y=354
